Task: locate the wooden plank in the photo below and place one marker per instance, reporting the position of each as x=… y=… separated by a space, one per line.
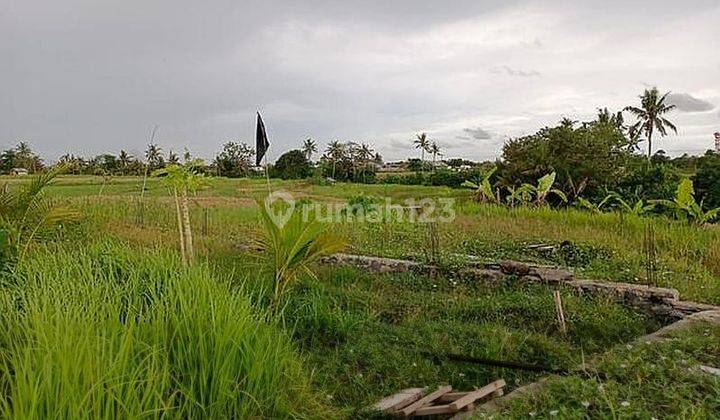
x=442 y=409
x=425 y=400
x=476 y=395
x=434 y=410
x=451 y=396
x=400 y=400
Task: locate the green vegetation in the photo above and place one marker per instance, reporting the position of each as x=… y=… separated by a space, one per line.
x=103 y=317
x=366 y=335
x=645 y=380
x=108 y=331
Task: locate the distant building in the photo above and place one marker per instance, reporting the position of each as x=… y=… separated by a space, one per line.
x=717 y=141
x=393 y=167
x=19 y=171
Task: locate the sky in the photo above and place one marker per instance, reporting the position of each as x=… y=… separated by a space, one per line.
x=89 y=76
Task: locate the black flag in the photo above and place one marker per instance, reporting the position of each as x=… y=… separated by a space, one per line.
x=261 y=141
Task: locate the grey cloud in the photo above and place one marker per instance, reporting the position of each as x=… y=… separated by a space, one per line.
x=87 y=77
x=685 y=102
x=514 y=72
x=475 y=134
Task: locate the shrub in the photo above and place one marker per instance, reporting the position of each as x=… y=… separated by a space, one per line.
x=586 y=159
x=707 y=180
x=292 y=165
x=643 y=180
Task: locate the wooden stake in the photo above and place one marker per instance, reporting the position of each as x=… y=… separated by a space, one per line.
x=559 y=311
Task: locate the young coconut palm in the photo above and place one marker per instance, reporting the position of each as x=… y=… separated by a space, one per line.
x=181 y=180
x=293 y=248
x=27 y=215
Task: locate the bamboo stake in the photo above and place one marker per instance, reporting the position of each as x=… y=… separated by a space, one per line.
x=181 y=229
x=559 y=310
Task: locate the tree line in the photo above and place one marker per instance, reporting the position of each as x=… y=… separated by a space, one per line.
x=233 y=160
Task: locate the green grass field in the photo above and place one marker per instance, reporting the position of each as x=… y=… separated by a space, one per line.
x=104 y=322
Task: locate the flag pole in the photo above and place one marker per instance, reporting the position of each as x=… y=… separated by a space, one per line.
x=267 y=174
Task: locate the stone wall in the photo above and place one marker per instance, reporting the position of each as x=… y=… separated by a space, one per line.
x=660 y=301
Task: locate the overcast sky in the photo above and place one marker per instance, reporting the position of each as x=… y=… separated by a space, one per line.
x=90 y=76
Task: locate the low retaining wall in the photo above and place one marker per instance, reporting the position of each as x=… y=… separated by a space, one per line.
x=712 y=317
x=660 y=301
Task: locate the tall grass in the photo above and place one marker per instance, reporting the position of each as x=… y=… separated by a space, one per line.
x=108 y=332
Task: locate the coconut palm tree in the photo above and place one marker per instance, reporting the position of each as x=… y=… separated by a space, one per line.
x=365 y=154
x=435 y=150
x=309 y=147
x=334 y=151
x=154 y=157
x=422 y=143
x=124 y=160
x=650 y=116
x=173 y=158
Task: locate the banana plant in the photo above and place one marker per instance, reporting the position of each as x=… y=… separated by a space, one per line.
x=521 y=195
x=638 y=209
x=595 y=208
x=541 y=192
x=483 y=189
x=685 y=207
x=545 y=188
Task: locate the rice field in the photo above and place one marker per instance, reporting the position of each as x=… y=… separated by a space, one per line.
x=104 y=322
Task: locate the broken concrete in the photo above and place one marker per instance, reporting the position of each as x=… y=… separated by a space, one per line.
x=378 y=264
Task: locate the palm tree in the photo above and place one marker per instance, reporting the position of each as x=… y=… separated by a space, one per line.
x=173 y=158
x=124 y=160
x=309 y=147
x=153 y=154
x=422 y=143
x=366 y=154
x=26 y=215
x=334 y=151
x=353 y=153
x=294 y=248
x=567 y=122
x=435 y=150
x=650 y=116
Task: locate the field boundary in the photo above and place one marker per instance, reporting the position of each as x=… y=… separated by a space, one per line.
x=660 y=302
x=664 y=333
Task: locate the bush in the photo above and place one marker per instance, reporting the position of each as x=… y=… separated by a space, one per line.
x=707 y=180
x=586 y=159
x=648 y=181
x=292 y=165
x=439 y=178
